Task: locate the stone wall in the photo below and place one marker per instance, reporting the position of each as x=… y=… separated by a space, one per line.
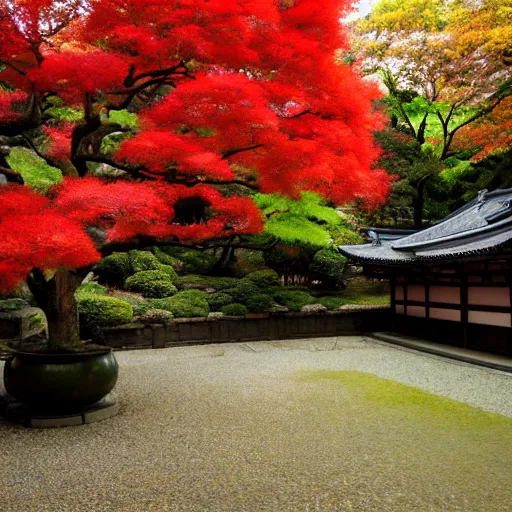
x=352 y=320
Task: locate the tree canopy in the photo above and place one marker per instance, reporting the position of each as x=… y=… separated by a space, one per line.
x=136 y=114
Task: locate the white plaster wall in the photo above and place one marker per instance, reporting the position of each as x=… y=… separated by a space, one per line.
x=448 y=294
x=488 y=318
x=399 y=310
x=418 y=311
x=489 y=296
x=445 y=314
x=399 y=292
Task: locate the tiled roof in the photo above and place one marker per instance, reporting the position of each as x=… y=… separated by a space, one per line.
x=481 y=227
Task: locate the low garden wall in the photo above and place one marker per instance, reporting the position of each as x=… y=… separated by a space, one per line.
x=193 y=331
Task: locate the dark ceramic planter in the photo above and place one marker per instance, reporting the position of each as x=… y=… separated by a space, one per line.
x=60 y=382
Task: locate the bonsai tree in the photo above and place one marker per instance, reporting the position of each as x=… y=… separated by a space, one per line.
x=127 y=124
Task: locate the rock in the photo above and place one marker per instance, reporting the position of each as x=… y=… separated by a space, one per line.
x=216 y=314
x=278 y=309
x=209 y=290
x=313 y=308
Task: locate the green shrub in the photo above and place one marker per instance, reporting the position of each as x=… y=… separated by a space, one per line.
x=169 y=270
x=194 y=295
x=138 y=303
x=103 y=311
x=294 y=300
x=243 y=290
x=156 y=316
x=234 y=309
x=193 y=282
x=167 y=259
x=264 y=278
x=198 y=282
x=327 y=266
x=218 y=300
x=114 y=269
x=143 y=260
x=193 y=261
x=330 y=303
x=259 y=303
x=8 y=305
x=91 y=288
x=181 y=307
x=151 y=283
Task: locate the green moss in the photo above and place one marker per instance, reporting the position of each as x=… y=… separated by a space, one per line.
x=9 y=305
x=124 y=118
x=103 y=311
x=114 y=269
x=234 y=309
x=408 y=401
x=65 y=114
x=217 y=300
x=264 y=278
x=364 y=291
x=260 y=303
x=36 y=173
x=151 y=283
x=330 y=303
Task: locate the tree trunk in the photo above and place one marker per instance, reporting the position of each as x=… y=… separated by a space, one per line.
x=56 y=297
x=418 y=205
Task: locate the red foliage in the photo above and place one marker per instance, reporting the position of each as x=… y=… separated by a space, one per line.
x=59 y=140
x=221 y=87
x=158 y=152
x=73 y=74
x=11 y=106
x=33 y=235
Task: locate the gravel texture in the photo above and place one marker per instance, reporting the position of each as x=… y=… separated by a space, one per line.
x=276 y=426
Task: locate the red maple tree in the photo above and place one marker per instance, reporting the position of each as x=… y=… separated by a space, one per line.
x=226 y=91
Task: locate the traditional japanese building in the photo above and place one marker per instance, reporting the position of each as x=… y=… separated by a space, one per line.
x=451 y=282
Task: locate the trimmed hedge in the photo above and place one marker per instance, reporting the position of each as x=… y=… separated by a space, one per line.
x=218 y=300
x=151 y=283
x=327 y=266
x=264 y=278
x=259 y=303
x=156 y=316
x=143 y=260
x=138 y=303
x=234 y=310
x=193 y=261
x=294 y=300
x=199 y=282
x=114 y=269
x=244 y=290
x=103 y=311
x=182 y=306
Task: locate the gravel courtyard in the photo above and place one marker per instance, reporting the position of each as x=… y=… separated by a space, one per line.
x=335 y=424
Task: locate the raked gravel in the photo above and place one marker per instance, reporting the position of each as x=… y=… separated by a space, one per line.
x=232 y=427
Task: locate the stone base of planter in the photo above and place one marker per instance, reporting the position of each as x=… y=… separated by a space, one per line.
x=21 y=414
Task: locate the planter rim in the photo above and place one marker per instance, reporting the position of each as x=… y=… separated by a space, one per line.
x=63 y=355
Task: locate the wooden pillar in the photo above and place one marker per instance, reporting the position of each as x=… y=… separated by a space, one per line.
x=464 y=307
